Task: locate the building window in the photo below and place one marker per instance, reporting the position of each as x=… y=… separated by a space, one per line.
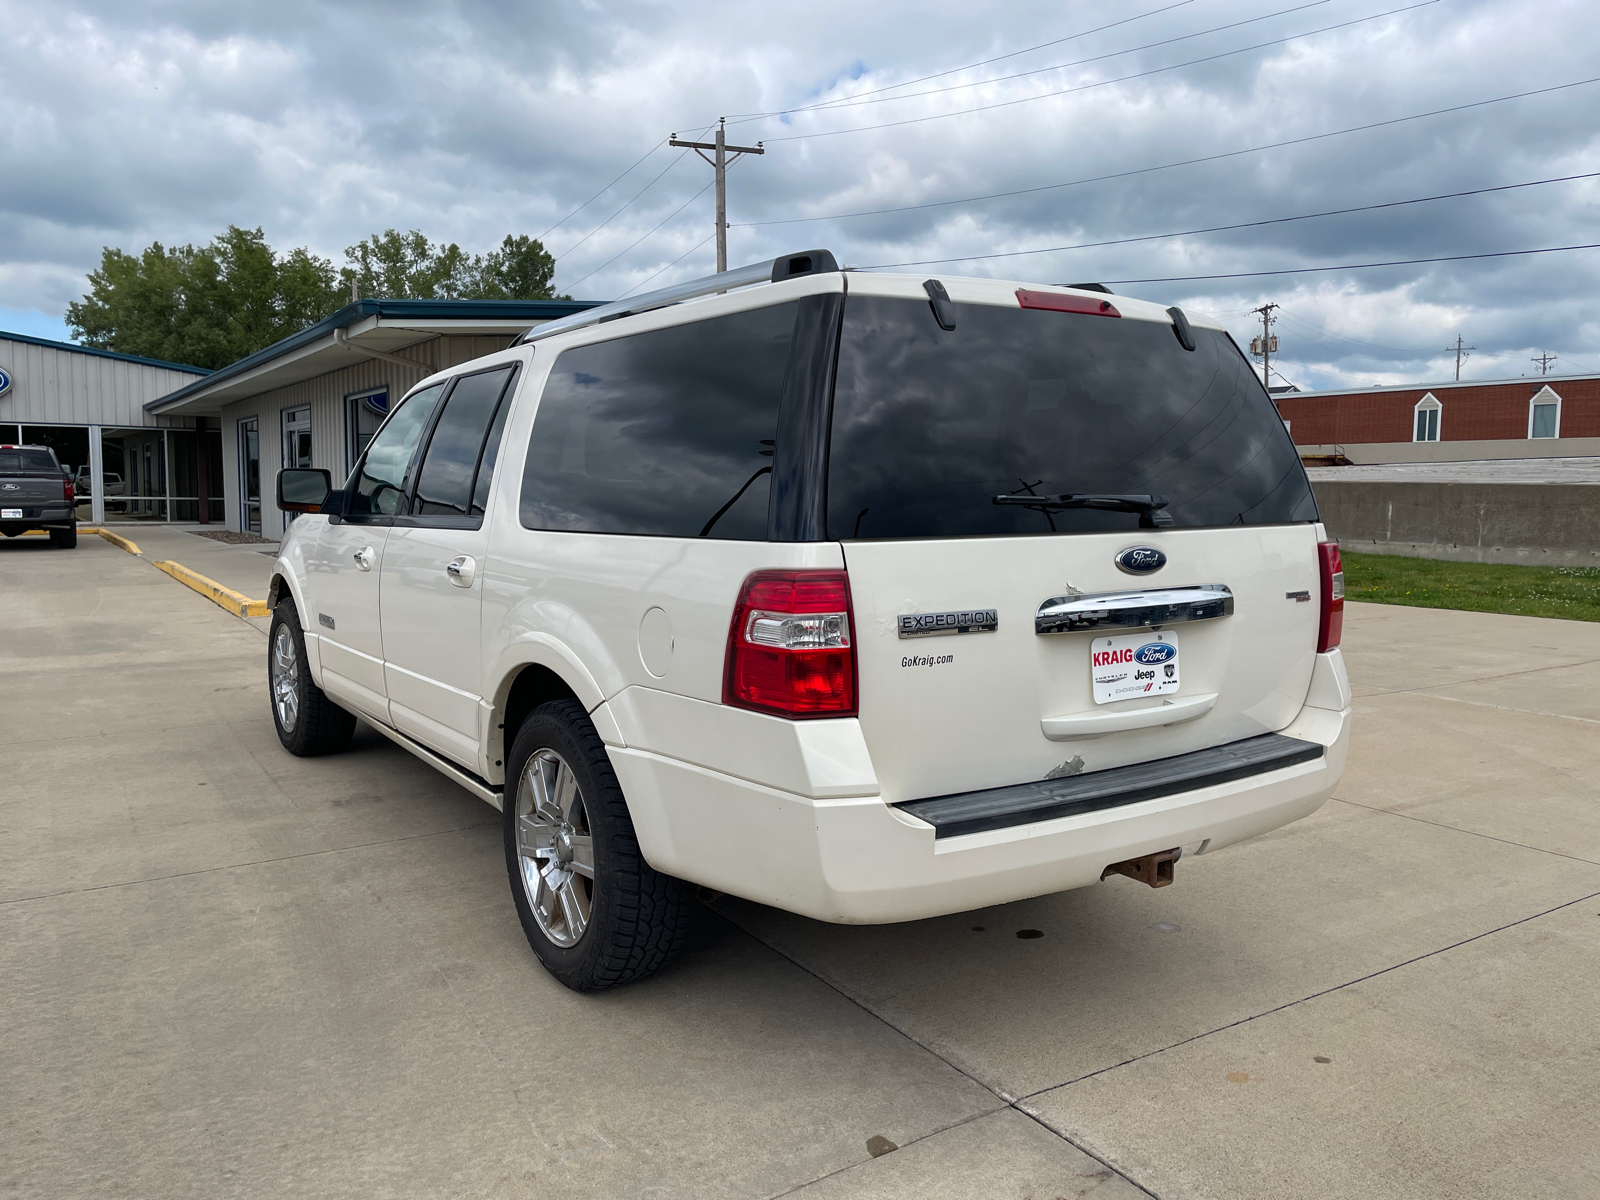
x=1544 y=414
x=297 y=437
x=1427 y=413
x=366 y=411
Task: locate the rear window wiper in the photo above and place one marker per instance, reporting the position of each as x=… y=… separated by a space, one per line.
x=1152 y=510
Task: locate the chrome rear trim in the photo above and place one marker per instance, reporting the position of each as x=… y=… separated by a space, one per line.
x=1134 y=610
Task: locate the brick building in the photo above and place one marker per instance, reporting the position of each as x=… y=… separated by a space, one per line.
x=1547 y=416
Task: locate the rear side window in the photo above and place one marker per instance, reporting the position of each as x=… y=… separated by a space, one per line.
x=445 y=483
x=668 y=433
x=28 y=462
x=930 y=426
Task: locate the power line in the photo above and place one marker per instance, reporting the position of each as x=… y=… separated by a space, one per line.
x=669 y=217
x=1187 y=162
x=620 y=253
x=835 y=105
x=1399 y=262
x=601 y=192
x=668 y=267
x=800 y=137
x=1154 y=237
x=627 y=204
x=1316 y=333
x=783 y=112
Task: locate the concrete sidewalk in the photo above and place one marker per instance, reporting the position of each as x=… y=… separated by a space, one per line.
x=225 y=971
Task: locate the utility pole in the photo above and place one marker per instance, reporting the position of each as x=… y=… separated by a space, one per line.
x=1462 y=353
x=1544 y=361
x=721 y=148
x=1265 y=346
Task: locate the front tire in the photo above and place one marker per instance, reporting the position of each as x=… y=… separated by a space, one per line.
x=308 y=723
x=595 y=913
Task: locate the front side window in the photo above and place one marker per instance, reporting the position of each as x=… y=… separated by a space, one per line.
x=668 y=433
x=445 y=483
x=930 y=426
x=378 y=486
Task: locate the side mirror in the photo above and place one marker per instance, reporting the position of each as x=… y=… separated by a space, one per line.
x=303 y=489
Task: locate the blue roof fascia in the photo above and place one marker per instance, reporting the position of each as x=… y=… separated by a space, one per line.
x=29 y=339
x=417 y=310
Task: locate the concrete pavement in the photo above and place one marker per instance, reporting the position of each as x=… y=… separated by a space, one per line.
x=225 y=971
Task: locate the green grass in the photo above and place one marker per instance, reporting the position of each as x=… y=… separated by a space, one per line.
x=1572 y=593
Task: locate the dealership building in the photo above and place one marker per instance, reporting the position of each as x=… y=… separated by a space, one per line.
x=155 y=441
x=89 y=406
x=314 y=399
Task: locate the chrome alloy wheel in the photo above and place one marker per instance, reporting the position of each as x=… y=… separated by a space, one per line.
x=554 y=848
x=284 y=678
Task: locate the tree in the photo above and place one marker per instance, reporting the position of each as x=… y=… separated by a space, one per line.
x=205 y=306
x=212 y=305
x=407 y=266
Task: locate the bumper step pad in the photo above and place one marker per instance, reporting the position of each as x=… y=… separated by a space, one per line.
x=1026 y=803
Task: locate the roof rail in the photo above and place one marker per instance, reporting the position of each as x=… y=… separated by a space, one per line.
x=785 y=266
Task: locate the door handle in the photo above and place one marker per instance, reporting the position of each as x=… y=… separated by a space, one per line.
x=363 y=558
x=461 y=569
x=1093 y=725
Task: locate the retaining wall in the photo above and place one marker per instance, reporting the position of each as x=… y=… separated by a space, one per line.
x=1531 y=523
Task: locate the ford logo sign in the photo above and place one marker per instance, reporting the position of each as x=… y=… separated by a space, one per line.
x=5 y=381
x=1140 y=560
x=1154 y=652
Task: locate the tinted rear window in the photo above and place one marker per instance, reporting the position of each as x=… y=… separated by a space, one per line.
x=929 y=426
x=661 y=432
x=28 y=462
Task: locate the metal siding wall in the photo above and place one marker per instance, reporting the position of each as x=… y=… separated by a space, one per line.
x=66 y=387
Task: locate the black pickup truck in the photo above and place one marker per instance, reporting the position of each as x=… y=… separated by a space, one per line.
x=35 y=493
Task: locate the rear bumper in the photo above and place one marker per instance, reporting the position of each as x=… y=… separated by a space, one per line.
x=857 y=860
x=51 y=518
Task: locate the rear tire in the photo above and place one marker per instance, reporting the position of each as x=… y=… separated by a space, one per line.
x=64 y=539
x=308 y=723
x=595 y=913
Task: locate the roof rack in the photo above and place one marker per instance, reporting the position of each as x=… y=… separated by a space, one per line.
x=785 y=266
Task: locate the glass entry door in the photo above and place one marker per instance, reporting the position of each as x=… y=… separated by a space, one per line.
x=250 y=475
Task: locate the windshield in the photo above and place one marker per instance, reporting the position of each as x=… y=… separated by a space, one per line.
x=929 y=426
x=28 y=462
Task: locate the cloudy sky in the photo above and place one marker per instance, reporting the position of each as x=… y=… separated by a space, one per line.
x=128 y=122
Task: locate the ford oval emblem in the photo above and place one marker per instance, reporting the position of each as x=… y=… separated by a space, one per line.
x=1140 y=560
x=1154 y=652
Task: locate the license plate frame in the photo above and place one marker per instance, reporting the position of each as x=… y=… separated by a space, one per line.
x=1129 y=666
x=10 y=514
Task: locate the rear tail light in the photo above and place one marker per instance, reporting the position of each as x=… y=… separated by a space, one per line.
x=790 y=650
x=66 y=490
x=1332 y=625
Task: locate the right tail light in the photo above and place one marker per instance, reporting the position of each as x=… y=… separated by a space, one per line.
x=1332 y=624
x=790 y=652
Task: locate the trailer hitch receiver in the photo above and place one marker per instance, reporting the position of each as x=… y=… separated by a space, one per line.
x=1153 y=869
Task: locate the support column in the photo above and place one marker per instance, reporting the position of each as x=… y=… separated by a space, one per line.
x=202 y=469
x=166 y=463
x=97 y=482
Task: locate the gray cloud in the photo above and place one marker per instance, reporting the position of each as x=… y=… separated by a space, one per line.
x=130 y=122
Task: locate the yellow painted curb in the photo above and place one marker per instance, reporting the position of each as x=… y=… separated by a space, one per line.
x=114 y=539
x=236 y=603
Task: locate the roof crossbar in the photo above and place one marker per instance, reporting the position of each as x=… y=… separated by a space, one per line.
x=785 y=266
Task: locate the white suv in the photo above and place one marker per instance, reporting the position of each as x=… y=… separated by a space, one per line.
x=865 y=596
